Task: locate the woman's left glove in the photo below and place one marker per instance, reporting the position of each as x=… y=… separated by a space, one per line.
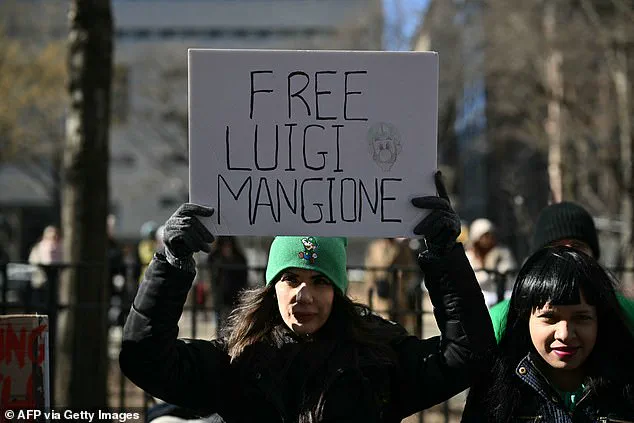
x=441 y=227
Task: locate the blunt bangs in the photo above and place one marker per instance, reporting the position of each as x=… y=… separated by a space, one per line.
x=557 y=275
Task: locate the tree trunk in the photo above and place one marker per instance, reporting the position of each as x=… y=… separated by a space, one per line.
x=607 y=184
x=622 y=89
x=553 y=124
x=81 y=374
x=615 y=39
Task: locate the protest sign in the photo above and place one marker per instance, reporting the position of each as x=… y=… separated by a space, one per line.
x=24 y=363
x=312 y=142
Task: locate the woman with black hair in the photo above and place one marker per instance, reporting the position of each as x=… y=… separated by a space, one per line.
x=566 y=354
x=298 y=349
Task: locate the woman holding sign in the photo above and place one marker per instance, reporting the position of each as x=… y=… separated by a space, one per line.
x=298 y=349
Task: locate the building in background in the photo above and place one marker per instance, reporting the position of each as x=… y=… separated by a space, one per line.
x=148 y=163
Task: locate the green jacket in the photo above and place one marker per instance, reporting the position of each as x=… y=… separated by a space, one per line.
x=499 y=311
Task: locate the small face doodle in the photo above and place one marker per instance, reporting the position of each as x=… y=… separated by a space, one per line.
x=384 y=144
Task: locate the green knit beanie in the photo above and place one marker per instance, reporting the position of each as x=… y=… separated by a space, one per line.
x=325 y=255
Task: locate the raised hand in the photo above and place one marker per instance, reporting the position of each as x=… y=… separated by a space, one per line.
x=441 y=227
x=184 y=234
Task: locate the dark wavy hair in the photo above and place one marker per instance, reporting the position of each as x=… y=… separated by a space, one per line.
x=257 y=319
x=559 y=275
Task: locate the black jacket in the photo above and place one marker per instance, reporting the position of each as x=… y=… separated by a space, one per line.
x=540 y=402
x=266 y=383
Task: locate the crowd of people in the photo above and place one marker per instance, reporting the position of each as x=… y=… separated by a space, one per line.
x=297 y=348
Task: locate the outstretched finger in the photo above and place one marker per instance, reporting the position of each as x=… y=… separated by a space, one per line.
x=440 y=186
x=191 y=209
x=432 y=203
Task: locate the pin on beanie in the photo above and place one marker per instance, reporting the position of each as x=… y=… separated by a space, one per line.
x=565 y=220
x=323 y=254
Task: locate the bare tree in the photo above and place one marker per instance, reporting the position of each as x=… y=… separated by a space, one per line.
x=82 y=370
x=613 y=23
x=546 y=63
x=32 y=79
x=554 y=83
x=557 y=96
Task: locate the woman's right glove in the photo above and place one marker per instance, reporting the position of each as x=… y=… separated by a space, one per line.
x=185 y=235
x=441 y=227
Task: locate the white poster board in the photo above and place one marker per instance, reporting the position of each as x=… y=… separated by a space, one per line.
x=312 y=142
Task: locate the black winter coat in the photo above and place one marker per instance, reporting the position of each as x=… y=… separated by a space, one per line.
x=267 y=382
x=541 y=402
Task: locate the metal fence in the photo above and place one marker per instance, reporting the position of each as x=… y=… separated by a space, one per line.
x=18 y=295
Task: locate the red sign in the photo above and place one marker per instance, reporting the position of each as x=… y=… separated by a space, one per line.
x=24 y=376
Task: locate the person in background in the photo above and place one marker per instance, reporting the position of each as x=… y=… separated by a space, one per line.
x=48 y=249
x=148 y=244
x=568 y=224
x=490 y=260
x=566 y=354
x=46 y=254
x=387 y=276
x=228 y=269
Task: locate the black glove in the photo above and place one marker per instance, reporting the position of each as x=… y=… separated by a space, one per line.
x=441 y=227
x=184 y=234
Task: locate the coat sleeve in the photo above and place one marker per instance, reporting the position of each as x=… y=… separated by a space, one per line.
x=192 y=374
x=433 y=370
